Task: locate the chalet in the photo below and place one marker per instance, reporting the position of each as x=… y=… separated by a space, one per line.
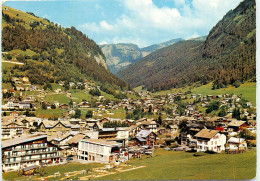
x=145 y=137
x=59 y=138
x=103 y=120
x=149 y=125
x=24 y=105
x=73 y=143
x=25 y=79
x=12 y=130
x=134 y=129
x=93 y=126
x=236 y=144
x=236 y=125
x=108 y=133
x=55 y=126
x=14 y=113
x=210 y=140
x=28 y=150
x=172 y=128
x=64 y=106
x=161 y=131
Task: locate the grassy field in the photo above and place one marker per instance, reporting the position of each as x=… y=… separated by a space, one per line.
x=183 y=165
x=51 y=170
x=248 y=91
x=49 y=113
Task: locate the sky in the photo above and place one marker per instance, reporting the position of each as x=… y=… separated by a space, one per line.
x=142 y=22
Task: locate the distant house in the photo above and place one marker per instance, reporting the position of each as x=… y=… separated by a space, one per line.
x=14 y=113
x=145 y=137
x=237 y=144
x=236 y=125
x=12 y=130
x=150 y=125
x=64 y=106
x=210 y=140
x=172 y=128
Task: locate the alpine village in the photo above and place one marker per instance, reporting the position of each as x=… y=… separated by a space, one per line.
x=185 y=109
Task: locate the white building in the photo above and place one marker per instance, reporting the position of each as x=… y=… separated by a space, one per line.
x=210 y=140
x=28 y=150
x=237 y=144
x=101 y=151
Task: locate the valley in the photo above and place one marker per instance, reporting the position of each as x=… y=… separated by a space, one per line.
x=76 y=109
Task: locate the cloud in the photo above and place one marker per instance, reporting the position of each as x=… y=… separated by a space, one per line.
x=144 y=23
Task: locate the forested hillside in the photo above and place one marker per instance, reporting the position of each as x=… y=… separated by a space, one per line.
x=56 y=53
x=228 y=56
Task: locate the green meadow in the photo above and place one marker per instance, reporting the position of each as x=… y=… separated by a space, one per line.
x=183 y=165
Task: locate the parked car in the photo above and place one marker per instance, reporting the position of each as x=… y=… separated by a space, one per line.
x=69 y=158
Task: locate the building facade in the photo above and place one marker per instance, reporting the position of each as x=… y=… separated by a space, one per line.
x=96 y=150
x=27 y=151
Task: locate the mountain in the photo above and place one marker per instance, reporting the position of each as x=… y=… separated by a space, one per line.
x=160 y=45
x=121 y=55
x=227 y=56
x=51 y=53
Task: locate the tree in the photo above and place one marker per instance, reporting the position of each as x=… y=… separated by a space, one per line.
x=89 y=114
x=222 y=112
x=236 y=113
x=183 y=126
x=150 y=109
x=35 y=124
x=71 y=103
x=44 y=106
x=245 y=133
x=95 y=92
x=213 y=106
x=178 y=98
x=77 y=113
x=159 y=120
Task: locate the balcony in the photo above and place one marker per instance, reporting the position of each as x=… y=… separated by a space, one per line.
x=30 y=153
x=32 y=159
x=31 y=148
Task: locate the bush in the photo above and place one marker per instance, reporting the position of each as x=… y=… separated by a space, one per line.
x=200 y=153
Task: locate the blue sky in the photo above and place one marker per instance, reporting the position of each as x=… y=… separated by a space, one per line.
x=143 y=22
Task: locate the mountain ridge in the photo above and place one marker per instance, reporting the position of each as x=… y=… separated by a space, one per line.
x=56 y=53
x=227 y=56
x=121 y=55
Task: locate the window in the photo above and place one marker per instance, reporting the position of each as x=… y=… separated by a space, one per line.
x=14 y=159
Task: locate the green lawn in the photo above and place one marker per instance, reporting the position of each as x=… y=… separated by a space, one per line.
x=61 y=98
x=183 y=165
x=53 y=169
x=49 y=113
x=248 y=91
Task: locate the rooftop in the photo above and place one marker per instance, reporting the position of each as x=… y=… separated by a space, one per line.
x=102 y=142
x=23 y=139
x=206 y=133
